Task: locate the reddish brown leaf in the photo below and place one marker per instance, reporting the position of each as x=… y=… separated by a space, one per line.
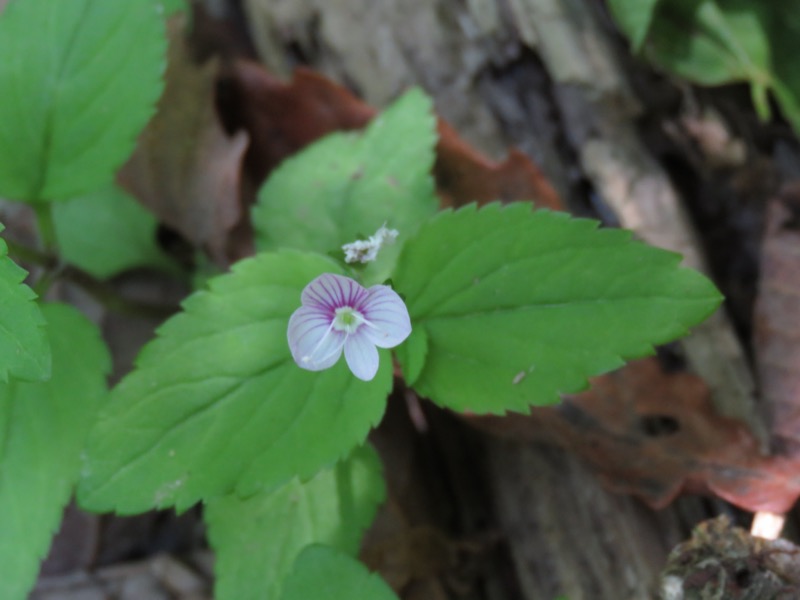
x=464 y=175
x=185 y=168
x=283 y=117
x=655 y=434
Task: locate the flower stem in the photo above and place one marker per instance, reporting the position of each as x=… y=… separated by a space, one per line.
x=30 y=255
x=47 y=229
x=105 y=293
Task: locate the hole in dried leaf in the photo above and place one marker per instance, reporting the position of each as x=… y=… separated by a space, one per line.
x=659 y=425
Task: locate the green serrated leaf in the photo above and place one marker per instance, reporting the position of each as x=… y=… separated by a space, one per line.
x=634 y=18
x=80 y=79
x=520 y=306
x=24 y=349
x=717 y=42
x=257 y=540
x=322 y=573
x=710 y=42
x=346 y=186
x=121 y=233
x=782 y=24
x=44 y=427
x=216 y=404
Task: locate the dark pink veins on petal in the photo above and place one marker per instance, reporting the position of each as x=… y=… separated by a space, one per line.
x=329 y=292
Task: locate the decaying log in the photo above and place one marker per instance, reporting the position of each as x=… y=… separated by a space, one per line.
x=598 y=113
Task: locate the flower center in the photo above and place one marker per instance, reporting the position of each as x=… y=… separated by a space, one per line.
x=347 y=319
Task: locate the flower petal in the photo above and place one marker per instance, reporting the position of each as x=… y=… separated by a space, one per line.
x=388 y=316
x=361 y=355
x=331 y=291
x=314 y=344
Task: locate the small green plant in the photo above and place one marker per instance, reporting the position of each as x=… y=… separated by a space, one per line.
x=237 y=404
x=717 y=42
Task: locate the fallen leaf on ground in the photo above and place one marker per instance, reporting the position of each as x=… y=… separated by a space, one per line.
x=186 y=169
x=655 y=434
x=283 y=117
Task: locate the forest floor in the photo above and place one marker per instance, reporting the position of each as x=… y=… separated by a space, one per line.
x=516 y=507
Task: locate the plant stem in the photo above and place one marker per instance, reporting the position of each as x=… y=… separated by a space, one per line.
x=103 y=292
x=42 y=285
x=31 y=255
x=47 y=230
x=112 y=300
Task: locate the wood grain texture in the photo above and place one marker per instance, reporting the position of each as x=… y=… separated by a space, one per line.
x=599 y=114
x=777 y=328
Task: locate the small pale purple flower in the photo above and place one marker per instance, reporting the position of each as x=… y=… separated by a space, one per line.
x=339 y=314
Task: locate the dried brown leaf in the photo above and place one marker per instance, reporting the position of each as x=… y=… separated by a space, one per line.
x=186 y=169
x=655 y=434
x=282 y=118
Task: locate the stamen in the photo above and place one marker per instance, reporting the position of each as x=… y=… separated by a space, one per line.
x=308 y=357
x=368 y=323
x=329 y=354
x=348 y=319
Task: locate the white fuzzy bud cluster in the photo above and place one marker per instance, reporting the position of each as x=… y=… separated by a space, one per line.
x=364 y=251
